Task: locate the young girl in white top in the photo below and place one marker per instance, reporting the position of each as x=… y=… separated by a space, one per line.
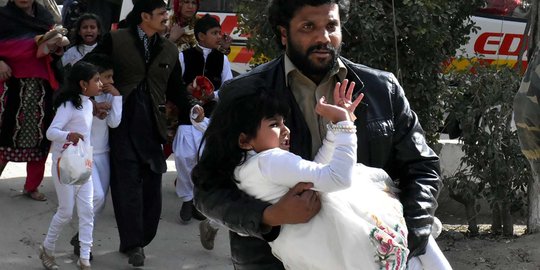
x=360 y=224
x=107 y=114
x=72 y=124
x=85 y=36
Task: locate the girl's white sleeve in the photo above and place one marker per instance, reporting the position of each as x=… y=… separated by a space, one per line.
x=56 y=132
x=115 y=114
x=286 y=169
x=324 y=155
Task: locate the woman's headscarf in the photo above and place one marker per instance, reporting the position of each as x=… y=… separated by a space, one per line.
x=177 y=6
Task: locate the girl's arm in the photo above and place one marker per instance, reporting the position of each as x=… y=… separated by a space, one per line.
x=56 y=132
x=286 y=169
x=324 y=155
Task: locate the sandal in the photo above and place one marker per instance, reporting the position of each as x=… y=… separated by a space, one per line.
x=35 y=195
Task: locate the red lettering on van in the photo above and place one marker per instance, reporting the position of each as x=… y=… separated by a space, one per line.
x=484 y=39
x=498 y=43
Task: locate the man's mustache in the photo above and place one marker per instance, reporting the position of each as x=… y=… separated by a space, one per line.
x=322 y=47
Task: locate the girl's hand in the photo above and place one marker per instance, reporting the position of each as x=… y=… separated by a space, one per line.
x=74 y=137
x=5 y=71
x=332 y=112
x=343 y=97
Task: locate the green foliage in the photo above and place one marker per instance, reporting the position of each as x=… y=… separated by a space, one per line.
x=428 y=33
x=482 y=102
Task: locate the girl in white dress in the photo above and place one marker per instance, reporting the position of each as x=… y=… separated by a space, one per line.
x=72 y=124
x=360 y=225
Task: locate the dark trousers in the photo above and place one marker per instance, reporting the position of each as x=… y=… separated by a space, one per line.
x=136 y=196
x=250 y=253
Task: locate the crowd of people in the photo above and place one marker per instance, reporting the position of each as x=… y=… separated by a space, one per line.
x=310 y=161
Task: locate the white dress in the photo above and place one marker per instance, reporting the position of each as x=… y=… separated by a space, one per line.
x=358 y=227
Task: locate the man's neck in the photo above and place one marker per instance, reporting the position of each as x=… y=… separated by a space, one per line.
x=149 y=32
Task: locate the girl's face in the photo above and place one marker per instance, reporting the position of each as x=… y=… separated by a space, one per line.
x=188 y=8
x=272 y=133
x=92 y=87
x=89 y=31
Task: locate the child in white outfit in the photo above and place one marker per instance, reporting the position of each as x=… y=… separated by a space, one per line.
x=72 y=124
x=107 y=113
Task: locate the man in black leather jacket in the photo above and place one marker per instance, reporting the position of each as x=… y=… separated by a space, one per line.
x=389 y=134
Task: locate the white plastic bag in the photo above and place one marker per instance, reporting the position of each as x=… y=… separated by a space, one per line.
x=75 y=164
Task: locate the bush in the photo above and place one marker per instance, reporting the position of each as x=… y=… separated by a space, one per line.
x=493 y=165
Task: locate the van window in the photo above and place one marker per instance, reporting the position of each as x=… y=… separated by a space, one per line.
x=506 y=8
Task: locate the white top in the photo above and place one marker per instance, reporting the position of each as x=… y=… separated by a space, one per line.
x=76 y=53
x=281 y=170
x=226 y=73
x=70 y=119
x=100 y=127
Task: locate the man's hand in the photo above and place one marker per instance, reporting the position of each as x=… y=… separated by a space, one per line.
x=5 y=71
x=298 y=205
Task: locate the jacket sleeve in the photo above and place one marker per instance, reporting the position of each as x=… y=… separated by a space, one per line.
x=417 y=168
x=233 y=208
x=177 y=93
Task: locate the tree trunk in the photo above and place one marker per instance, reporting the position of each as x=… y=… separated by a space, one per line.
x=507 y=220
x=533 y=192
x=470 y=208
x=496 y=224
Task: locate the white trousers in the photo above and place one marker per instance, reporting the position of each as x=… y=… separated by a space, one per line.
x=101 y=178
x=185 y=148
x=433 y=259
x=68 y=197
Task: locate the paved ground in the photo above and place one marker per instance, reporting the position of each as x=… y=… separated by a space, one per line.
x=24 y=223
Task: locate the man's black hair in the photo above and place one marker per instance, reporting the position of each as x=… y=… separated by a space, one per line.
x=140 y=6
x=280 y=12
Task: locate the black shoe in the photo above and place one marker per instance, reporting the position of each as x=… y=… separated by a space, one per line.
x=186 y=212
x=197 y=214
x=136 y=256
x=77 y=247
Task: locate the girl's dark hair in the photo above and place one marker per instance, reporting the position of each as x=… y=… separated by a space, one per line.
x=75 y=37
x=280 y=12
x=81 y=71
x=222 y=152
x=140 y=6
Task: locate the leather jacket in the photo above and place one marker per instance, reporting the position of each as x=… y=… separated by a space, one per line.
x=389 y=137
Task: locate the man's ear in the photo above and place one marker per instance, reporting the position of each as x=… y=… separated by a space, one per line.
x=145 y=16
x=243 y=142
x=283 y=35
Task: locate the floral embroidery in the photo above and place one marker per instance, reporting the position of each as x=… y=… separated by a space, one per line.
x=391 y=245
